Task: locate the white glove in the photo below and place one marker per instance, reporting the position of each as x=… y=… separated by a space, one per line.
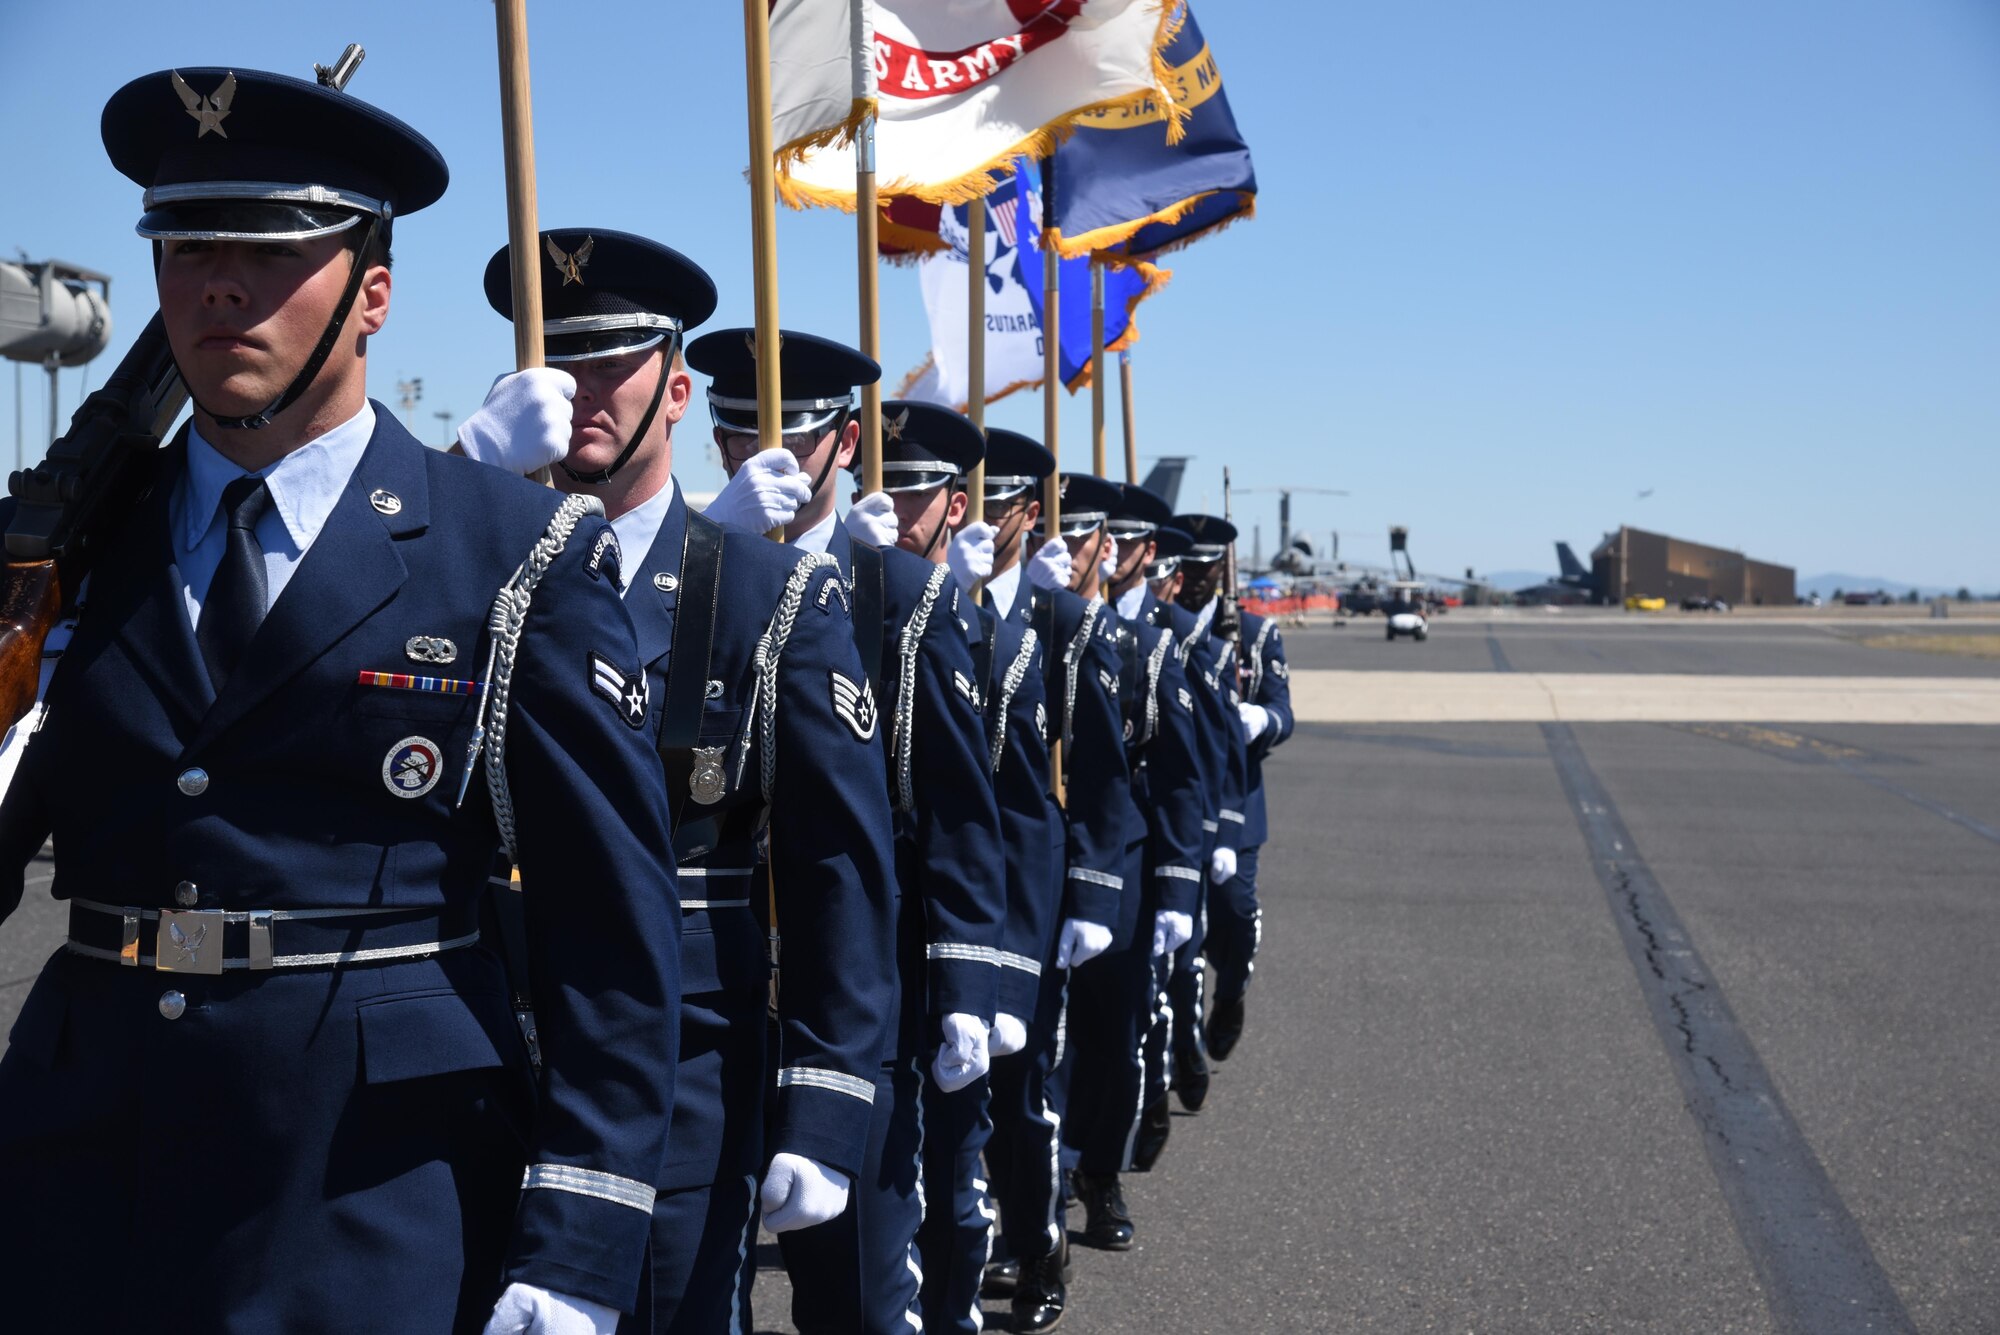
x=1049 y=568
x=1081 y=943
x=799 y=1192
x=963 y=1057
x=1222 y=866
x=1254 y=718
x=970 y=554
x=766 y=493
x=1009 y=1036
x=1107 y=564
x=524 y=423
x=872 y=520
x=526 y=1310
x=1171 y=931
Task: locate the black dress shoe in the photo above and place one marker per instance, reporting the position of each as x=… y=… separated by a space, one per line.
x=1225 y=1026
x=1039 y=1301
x=1191 y=1078
x=1106 y=1222
x=1155 y=1125
x=1000 y=1279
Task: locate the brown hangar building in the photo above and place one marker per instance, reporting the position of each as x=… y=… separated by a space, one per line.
x=1653 y=565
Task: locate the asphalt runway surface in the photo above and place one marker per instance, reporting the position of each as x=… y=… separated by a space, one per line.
x=1583 y=1027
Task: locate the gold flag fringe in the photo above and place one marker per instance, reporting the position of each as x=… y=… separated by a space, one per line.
x=837 y=135
x=913 y=242
x=1156 y=280
x=930 y=360
x=1041 y=143
x=1099 y=242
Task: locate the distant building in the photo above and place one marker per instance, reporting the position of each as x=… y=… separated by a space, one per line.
x=1653 y=565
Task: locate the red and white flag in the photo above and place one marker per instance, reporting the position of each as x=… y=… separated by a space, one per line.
x=963 y=86
x=819 y=73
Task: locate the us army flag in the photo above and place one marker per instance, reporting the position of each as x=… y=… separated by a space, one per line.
x=820 y=86
x=963 y=87
x=1014 y=301
x=1127 y=193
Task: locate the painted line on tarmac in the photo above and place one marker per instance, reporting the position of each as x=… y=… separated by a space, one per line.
x=1916 y=799
x=1818 y=1273
x=1500 y=663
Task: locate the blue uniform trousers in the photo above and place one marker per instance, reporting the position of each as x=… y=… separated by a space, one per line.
x=957 y=1234
x=1023 y=1156
x=396 y=1071
x=1187 y=990
x=704 y=1223
x=857 y=1274
x=1111 y=1001
x=1235 y=927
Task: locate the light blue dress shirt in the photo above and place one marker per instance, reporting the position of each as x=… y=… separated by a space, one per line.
x=304 y=485
x=638 y=528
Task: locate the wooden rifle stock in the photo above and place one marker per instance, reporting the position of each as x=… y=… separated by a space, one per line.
x=67 y=506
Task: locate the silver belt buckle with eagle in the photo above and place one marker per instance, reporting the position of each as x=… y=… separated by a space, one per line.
x=189 y=941
x=707 y=784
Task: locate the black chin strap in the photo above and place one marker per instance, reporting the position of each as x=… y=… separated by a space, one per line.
x=603 y=475
x=303 y=380
x=937 y=534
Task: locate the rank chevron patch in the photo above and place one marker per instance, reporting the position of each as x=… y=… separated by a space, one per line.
x=854 y=704
x=627 y=694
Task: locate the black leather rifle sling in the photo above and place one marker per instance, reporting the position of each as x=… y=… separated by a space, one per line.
x=687 y=666
x=870 y=613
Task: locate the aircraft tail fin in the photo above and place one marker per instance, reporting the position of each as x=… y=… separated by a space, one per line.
x=1571 y=567
x=1164 y=480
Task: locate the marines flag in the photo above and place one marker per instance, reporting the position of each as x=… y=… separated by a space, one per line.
x=961 y=88
x=820 y=85
x=1013 y=300
x=1132 y=187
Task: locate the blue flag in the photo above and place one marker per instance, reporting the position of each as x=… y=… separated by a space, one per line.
x=1124 y=286
x=1013 y=281
x=1124 y=191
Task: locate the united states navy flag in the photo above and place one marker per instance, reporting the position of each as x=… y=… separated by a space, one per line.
x=1129 y=187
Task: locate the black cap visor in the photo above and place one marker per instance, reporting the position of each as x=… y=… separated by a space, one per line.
x=243 y=220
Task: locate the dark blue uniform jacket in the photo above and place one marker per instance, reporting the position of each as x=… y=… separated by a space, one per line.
x=1010 y=659
x=830 y=855
x=298 y=811
x=950 y=877
x=1267 y=682
x=1080 y=679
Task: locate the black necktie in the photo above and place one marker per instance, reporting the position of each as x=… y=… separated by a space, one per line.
x=238 y=595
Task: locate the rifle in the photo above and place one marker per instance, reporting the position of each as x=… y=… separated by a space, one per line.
x=1229 y=616
x=69 y=504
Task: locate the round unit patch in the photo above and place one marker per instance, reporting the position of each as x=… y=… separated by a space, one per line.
x=412 y=767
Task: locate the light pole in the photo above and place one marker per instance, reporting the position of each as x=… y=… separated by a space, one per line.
x=444 y=418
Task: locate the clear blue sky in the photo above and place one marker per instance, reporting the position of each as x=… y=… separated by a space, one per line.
x=1515 y=263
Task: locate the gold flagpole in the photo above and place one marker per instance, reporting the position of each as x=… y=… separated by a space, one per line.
x=1051 y=387
x=1097 y=460
x=1131 y=427
x=975 y=349
x=517 y=139
x=763 y=223
x=868 y=230
x=764 y=252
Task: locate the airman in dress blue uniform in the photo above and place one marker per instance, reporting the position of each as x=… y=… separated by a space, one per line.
x=1080 y=672
x=860 y=1272
x=927 y=452
x=1111 y=1002
x=762 y=717
x=1210 y=660
x=1235 y=923
x=273 y=1081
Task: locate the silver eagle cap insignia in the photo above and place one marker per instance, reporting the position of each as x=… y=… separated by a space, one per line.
x=207 y=111
x=570 y=266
